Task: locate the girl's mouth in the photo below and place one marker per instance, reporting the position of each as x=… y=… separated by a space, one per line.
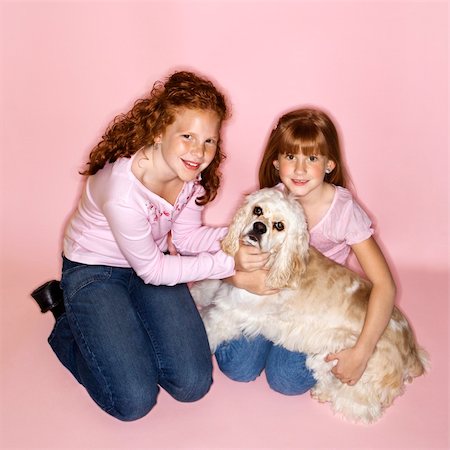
x=190 y=165
x=299 y=182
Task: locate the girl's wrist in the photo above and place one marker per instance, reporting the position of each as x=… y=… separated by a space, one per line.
x=364 y=350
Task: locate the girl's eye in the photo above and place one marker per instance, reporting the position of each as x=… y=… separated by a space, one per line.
x=313 y=158
x=211 y=142
x=257 y=211
x=289 y=156
x=279 y=226
x=186 y=136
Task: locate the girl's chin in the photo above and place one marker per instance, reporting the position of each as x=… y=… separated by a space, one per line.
x=188 y=175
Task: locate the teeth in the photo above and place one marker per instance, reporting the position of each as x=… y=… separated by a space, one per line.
x=191 y=164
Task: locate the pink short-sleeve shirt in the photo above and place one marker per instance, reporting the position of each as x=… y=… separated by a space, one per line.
x=344 y=224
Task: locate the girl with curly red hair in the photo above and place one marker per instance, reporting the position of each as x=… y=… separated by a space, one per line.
x=126 y=323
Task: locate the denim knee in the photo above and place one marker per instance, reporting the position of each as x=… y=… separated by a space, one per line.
x=287 y=373
x=243 y=359
x=189 y=384
x=133 y=403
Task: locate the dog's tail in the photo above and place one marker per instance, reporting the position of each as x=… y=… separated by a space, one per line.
x=418 y=363
x=415 y=359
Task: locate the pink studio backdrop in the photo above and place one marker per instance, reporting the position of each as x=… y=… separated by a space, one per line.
x=379 y=68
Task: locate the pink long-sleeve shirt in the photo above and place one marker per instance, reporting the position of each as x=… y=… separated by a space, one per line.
x=121 y=223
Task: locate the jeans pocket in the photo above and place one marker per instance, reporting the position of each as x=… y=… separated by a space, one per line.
x=79 y=276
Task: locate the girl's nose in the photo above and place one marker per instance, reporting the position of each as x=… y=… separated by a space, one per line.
x=198 y=150
x=300 y=167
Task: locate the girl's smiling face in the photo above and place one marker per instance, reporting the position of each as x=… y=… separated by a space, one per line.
x=188 y=145
x=303 y=175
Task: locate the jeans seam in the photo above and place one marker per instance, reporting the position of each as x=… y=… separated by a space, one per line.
x=84 y=343
x=156 y=351
x=93 y=359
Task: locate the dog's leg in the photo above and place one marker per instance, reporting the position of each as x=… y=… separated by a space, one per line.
x=321 y=369
x=359 y=403
x=220 y=325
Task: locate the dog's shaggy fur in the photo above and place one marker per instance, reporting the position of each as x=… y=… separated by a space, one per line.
x=320 y=309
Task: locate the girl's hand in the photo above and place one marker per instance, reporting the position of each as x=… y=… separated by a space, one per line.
x=351 y=364
x=249 y=259
x=170 y=247
x=254 y=282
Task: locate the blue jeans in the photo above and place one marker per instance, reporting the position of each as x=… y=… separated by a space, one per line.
x=122 y=339
x=244 y=359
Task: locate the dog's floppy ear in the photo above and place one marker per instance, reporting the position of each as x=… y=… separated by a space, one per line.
x=230 y=243
x=291 y=260
x=289 y=264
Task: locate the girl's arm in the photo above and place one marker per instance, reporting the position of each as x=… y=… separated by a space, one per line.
x=190 y=236
x=133 y=236
x=352 y=362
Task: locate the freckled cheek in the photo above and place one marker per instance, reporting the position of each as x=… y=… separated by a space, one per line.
x=318 y=171
x=285 y=170
x=209 y=156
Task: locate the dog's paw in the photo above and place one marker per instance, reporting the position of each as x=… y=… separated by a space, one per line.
x=319 y=395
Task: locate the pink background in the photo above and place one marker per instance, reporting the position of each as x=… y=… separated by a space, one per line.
x=381 y=70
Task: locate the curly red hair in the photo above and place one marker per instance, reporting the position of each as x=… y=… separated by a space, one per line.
x=149 y=118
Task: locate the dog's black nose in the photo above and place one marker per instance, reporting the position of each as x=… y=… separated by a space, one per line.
x=259 y=228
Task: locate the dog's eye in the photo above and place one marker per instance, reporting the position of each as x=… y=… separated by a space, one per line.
x=279 y=226
x=257 y=211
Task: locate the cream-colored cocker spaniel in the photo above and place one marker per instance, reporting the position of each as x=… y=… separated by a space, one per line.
x=320 y=309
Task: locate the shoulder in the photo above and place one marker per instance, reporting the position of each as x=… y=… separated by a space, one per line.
x=348 y=220
x=112 y=173
x=343 y=195
x=115 y=183
x=345 y=201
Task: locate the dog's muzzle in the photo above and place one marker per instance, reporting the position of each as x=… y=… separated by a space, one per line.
x=257 y=231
